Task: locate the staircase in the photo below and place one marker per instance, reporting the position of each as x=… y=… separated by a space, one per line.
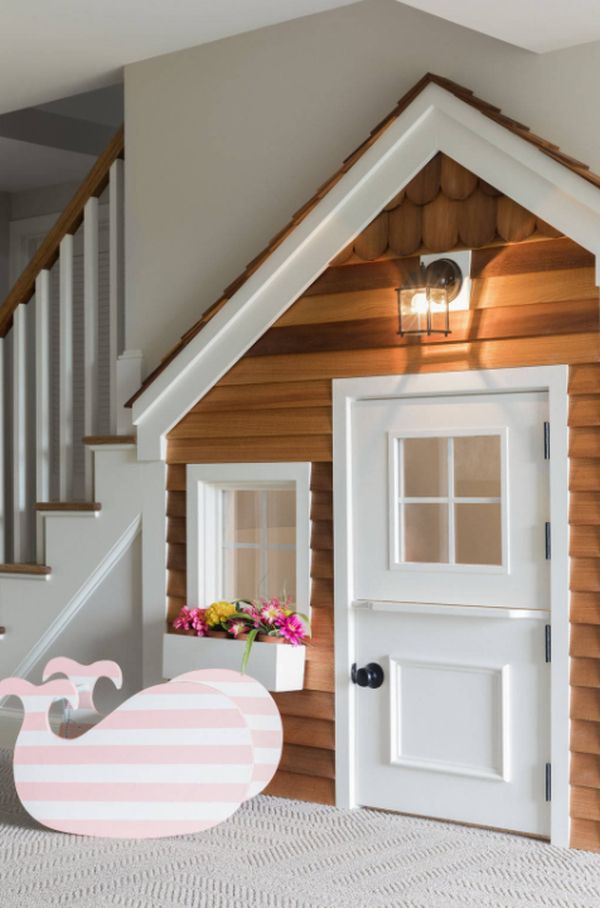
x=70 y=495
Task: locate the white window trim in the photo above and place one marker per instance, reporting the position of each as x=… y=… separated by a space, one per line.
x=552 y=379
x=204 y=482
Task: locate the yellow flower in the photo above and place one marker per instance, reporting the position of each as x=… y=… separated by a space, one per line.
x=218 y=612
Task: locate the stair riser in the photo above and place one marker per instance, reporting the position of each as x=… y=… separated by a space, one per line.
x=43 y=520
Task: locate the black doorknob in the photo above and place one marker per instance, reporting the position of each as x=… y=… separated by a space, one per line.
x=369 y=676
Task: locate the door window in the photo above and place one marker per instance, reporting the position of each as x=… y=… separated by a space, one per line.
x=448 y=500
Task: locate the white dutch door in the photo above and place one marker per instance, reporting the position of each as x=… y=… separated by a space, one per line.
x=450 y=503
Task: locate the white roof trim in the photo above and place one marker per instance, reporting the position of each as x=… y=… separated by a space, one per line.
x=435 y=121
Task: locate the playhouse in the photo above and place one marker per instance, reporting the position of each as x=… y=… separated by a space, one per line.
x=453 y=480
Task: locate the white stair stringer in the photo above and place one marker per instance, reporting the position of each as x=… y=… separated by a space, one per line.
x=81 y=554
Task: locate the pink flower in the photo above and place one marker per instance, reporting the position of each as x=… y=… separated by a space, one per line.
x=271 y=612
x=237 y=627
x=183 y=622
x=253 y=610
x=198 y=623
x=292 y=628
x=191 y=619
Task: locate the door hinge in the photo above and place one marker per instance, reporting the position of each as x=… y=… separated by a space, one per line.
x=548 y=781
x=548 y=643
x=547 y=541
x=546 y=441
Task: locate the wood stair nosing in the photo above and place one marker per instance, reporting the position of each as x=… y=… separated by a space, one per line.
x=33 y=570
x=99 y=440
x=61 y=506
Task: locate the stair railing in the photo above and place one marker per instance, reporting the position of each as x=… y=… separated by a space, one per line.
x=60 y=338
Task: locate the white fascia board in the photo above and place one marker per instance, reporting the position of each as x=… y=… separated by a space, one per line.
x=346 y=210
x=435 y=121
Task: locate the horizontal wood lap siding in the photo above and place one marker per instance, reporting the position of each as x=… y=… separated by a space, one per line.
x=176 y=539
x=533 y=303
x=307 y=769
x=584 y=549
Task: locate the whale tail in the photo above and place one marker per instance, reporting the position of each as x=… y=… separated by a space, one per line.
x=39 y=697
x=84 y=675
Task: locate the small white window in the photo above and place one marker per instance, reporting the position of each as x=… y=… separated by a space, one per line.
x=248 y=532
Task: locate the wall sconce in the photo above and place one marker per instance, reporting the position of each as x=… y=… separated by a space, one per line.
x=424 y=306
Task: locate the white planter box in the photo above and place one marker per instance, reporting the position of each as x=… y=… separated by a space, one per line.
x=278 y=667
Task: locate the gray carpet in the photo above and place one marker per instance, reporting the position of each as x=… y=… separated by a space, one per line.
x=288 y=854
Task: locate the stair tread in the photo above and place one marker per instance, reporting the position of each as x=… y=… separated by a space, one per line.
x=68 y=506
x=109 y=440
x=22 y=568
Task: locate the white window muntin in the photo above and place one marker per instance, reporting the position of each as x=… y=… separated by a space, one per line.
x=263 y=546
x=397 y=500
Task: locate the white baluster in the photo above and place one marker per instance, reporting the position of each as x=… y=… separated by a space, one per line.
x=42 y=385
x=65 y=409
x=3 y=433
x=90 y=334
x=19 y=445
x=116 y=280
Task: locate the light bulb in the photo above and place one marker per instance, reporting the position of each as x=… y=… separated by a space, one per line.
x=419 y=303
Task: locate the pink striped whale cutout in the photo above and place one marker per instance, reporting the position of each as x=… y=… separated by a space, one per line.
x=176 y=758
x=262 y=714
x=84 y=677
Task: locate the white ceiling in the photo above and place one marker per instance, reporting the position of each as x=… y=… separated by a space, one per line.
x=54 y=48
x=51 y=49
x=24 y=165
x=536 y=25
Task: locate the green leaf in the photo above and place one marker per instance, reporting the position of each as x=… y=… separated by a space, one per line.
x=247 y=648
x=306 y=620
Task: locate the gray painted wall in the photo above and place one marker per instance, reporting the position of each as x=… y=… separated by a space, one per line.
x=108 y=627
x=31 y=203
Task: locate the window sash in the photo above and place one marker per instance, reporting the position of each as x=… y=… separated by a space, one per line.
x=400 y=499
x=263 y=546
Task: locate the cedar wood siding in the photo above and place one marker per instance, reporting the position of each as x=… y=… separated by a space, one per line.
x=533 y=302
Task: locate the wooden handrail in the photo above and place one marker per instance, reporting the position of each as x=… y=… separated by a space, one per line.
x=68 y=222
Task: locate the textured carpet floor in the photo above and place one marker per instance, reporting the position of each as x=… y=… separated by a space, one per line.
x=288 y=854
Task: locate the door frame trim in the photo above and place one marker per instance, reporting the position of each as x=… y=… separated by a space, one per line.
x=550 y=379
